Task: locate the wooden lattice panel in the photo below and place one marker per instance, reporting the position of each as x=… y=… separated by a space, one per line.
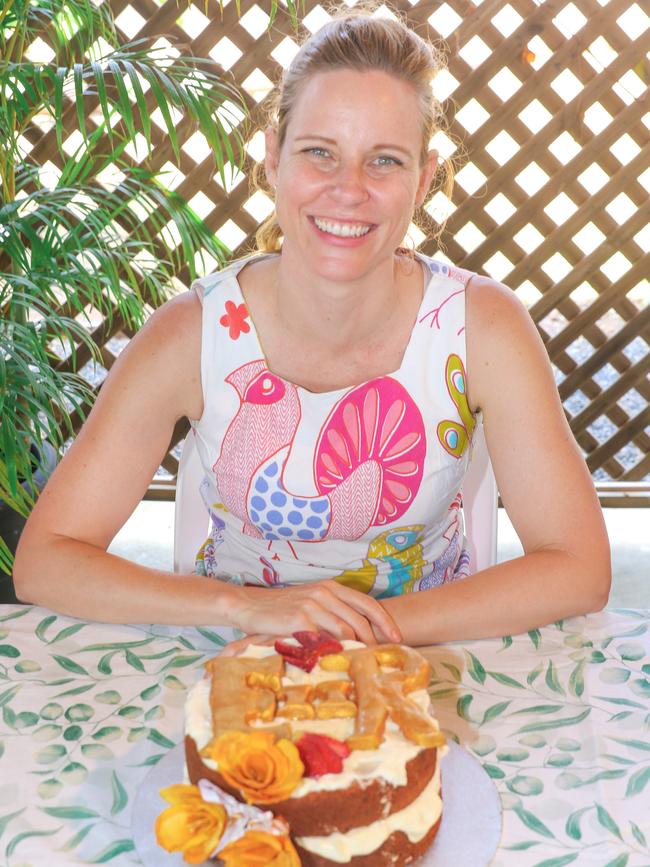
x=551 y=105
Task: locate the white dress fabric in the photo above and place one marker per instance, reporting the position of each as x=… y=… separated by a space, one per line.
x=362 y=484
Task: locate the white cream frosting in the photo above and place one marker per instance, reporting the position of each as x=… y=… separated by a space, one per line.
x=415 y=821
x=387 y=764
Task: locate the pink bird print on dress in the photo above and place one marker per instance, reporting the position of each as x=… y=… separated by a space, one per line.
x=368 y=459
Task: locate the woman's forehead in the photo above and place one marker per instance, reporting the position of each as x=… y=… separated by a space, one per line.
x=373 y=103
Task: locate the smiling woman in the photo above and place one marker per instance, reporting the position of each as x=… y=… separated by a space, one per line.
x=334 y=384
x=372 y=45
x=341 y=189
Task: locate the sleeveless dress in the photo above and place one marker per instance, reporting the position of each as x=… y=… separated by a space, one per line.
x=360 y=485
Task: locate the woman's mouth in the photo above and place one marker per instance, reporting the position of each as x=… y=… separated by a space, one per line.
x=342 y=230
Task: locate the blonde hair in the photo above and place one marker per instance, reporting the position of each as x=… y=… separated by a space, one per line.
x=356 y=40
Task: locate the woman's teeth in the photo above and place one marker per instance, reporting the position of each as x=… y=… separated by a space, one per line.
x=344 y=230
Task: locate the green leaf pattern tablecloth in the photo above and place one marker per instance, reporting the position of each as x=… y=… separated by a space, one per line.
x=559 y=718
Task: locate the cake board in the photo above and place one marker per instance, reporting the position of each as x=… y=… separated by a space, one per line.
x=468 y=837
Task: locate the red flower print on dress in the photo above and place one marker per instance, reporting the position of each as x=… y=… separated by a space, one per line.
x=235 y=319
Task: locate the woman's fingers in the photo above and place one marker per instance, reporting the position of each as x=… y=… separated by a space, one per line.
x=343 y=622
x=338 y=612
x=326 y=605
x=371 y=609
x=334 y=614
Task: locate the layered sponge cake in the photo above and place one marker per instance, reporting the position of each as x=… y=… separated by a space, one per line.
x=337 y=739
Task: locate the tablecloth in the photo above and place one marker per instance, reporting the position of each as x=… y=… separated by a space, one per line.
x=558 y=717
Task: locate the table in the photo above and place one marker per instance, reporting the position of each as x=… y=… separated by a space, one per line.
x=559 y=718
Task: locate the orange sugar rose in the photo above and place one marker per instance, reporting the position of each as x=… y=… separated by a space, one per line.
x=260 y=849
x=190 y=825
x=264 y=770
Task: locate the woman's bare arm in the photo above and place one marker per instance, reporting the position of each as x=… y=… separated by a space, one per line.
x=544 y=484
x=62 y=561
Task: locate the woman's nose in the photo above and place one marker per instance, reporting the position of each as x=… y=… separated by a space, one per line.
x=350 y=183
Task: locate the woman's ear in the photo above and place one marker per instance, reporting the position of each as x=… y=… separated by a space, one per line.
x=427 y=173
x=272 y=155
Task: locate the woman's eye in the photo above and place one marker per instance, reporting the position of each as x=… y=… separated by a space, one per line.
x=388 y=161
x=316 y=151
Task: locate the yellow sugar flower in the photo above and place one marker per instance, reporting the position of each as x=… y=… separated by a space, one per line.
x=260 y=849
x=190 y=825
x=264 y=770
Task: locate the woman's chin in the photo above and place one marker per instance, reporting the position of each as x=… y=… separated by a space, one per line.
x=345 y=263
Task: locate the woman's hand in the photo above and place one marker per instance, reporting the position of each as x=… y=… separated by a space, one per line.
x=326 y=605
x=234 y=648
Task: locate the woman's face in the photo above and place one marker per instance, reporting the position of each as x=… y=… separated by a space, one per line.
x=348 y=175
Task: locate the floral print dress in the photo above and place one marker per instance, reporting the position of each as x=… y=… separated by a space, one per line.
x=361 y=485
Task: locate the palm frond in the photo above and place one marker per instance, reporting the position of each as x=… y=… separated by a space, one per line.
x=71 y=25
x=6 y=557
x=186 y=83
x=39 y=403
x=70 y=228
x=82 y=245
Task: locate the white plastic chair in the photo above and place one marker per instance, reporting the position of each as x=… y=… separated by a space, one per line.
x=480 y=503
x=479 y=506
x=191 y=520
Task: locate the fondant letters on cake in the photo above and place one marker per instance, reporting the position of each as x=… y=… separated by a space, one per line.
x=235 y=703
x=247 y=690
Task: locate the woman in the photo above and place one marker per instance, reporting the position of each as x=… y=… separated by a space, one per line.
x=333 y=387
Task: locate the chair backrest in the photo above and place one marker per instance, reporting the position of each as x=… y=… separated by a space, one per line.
x=480 y=503
x=479 y=506
x=190 y=515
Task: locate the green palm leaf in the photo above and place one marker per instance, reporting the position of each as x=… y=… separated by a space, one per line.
x=77 y=243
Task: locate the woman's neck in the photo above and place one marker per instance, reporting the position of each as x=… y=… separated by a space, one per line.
x=336 y=312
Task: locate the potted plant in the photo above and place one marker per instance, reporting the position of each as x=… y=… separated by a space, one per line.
x=81 y=241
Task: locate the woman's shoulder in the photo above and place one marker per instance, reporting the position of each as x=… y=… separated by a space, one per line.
x=501 y=337
x=205 y=286
x=168 y=347
x=486 y=299
x=178 y=319
x=445 y=269
x=491 y=304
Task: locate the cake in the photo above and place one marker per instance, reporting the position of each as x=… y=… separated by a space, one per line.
x=334 y=743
